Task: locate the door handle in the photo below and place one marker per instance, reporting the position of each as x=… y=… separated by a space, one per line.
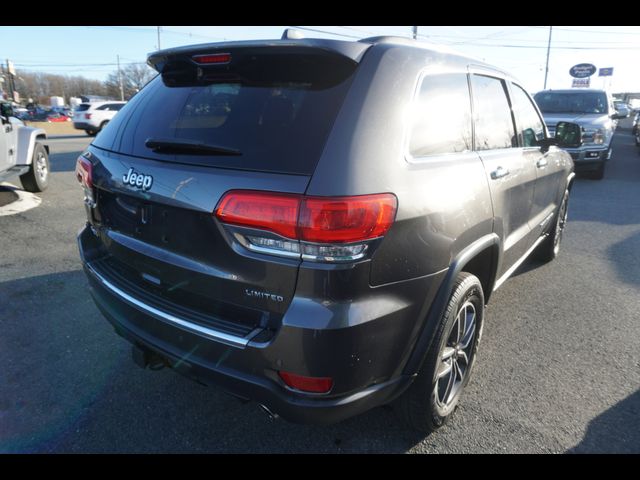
x=543 y=162
x=499 y=173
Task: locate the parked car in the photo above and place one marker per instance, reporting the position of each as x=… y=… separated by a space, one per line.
x=622 y=108
x=635 y=128
x=93 y=117
x=593 y=110
x=309 y=226
x=58 y=117
x=23 y=152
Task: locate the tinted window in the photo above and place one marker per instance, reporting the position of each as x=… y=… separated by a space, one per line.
x=494 y=124
x=442 y=116
x=276 y=112
x=82 y=107
x=116 y=106
x=530 y=125
x=572 y=102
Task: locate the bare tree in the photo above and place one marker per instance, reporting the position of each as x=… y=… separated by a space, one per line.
x=41 y=86
x=134 y=77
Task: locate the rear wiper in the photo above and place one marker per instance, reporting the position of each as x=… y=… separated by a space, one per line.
x=189 y=147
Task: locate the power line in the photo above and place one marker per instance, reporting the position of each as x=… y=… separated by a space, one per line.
x=608 y=32
x=329 y=33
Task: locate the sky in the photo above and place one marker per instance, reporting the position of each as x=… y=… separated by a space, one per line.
x=92 y=51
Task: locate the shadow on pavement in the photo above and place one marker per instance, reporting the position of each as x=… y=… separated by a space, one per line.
x=7 y=195
x=617 y=430
x=625 y=256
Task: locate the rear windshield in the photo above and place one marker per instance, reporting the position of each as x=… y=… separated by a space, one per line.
x=82 y=107
x=572 y=102
x=277 y=116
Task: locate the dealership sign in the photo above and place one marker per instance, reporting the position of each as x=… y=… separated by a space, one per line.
x=581 y=83
x=582 y=70
x=605 y=72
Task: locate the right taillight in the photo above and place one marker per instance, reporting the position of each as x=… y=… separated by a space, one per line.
x=346 y=219
x=330 y=229
x=84 y=174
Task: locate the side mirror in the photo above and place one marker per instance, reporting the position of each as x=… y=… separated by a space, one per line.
x=6 y=110
x=568 y=135
x=617 y=116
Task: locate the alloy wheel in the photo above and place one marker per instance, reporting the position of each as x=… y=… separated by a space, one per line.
x=455 y=357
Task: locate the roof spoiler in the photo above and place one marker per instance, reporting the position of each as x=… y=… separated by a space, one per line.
x=350 y=50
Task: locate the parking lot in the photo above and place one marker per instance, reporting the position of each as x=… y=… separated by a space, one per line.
x=558 y=369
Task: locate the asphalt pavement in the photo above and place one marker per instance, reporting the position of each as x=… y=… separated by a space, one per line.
x=558 y=368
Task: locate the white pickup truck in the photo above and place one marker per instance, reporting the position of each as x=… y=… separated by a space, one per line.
x=23 y=152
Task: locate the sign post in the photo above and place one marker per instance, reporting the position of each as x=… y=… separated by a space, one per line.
x=604 y=73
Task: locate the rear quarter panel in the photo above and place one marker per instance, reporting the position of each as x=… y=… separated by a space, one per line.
x=443 y=202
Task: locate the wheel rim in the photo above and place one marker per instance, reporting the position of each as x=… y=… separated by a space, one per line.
x=456 y=356
x=41 y=166
x=562 y=221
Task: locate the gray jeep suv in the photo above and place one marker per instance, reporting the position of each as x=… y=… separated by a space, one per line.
x=594 y=111
x=317 y=225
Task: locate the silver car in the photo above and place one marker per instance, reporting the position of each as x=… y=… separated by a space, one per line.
x=594 y=111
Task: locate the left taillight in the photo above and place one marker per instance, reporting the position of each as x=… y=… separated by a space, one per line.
x=84 y=175
x=326 y=229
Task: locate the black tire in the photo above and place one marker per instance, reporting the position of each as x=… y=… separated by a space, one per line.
x=91 y=133
x=599 y=173
x=37 y=178
x=550 y=247
x=421 y=406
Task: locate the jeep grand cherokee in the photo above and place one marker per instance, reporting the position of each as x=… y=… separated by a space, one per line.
x=317 y=225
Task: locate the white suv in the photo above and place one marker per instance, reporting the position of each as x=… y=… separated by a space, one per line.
x=92 y=117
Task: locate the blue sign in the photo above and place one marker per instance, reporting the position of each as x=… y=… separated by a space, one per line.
x=605 y=72
x=582 y=70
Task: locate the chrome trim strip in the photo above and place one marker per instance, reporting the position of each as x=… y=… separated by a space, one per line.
x=513 y=268
x=231 y=340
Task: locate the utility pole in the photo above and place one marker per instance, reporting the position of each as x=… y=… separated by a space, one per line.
x=546 y=71
x=120 y=80
x=158 y=38
x=415 y=32
x=10 y=74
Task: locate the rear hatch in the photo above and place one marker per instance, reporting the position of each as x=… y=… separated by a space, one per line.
x=257 y=120
x=79 y=113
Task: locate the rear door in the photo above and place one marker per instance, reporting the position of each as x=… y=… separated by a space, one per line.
x=154 y=213
x=510 y=174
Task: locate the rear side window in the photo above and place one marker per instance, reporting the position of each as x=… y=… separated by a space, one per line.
x=441 y=120
x=530 y=125
x=493 y=121
x=277 y=112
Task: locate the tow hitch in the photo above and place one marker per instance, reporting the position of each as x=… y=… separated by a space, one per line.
x=146 y=358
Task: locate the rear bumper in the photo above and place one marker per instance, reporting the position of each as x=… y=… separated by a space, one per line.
x=365 y=359
x=83 y=126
